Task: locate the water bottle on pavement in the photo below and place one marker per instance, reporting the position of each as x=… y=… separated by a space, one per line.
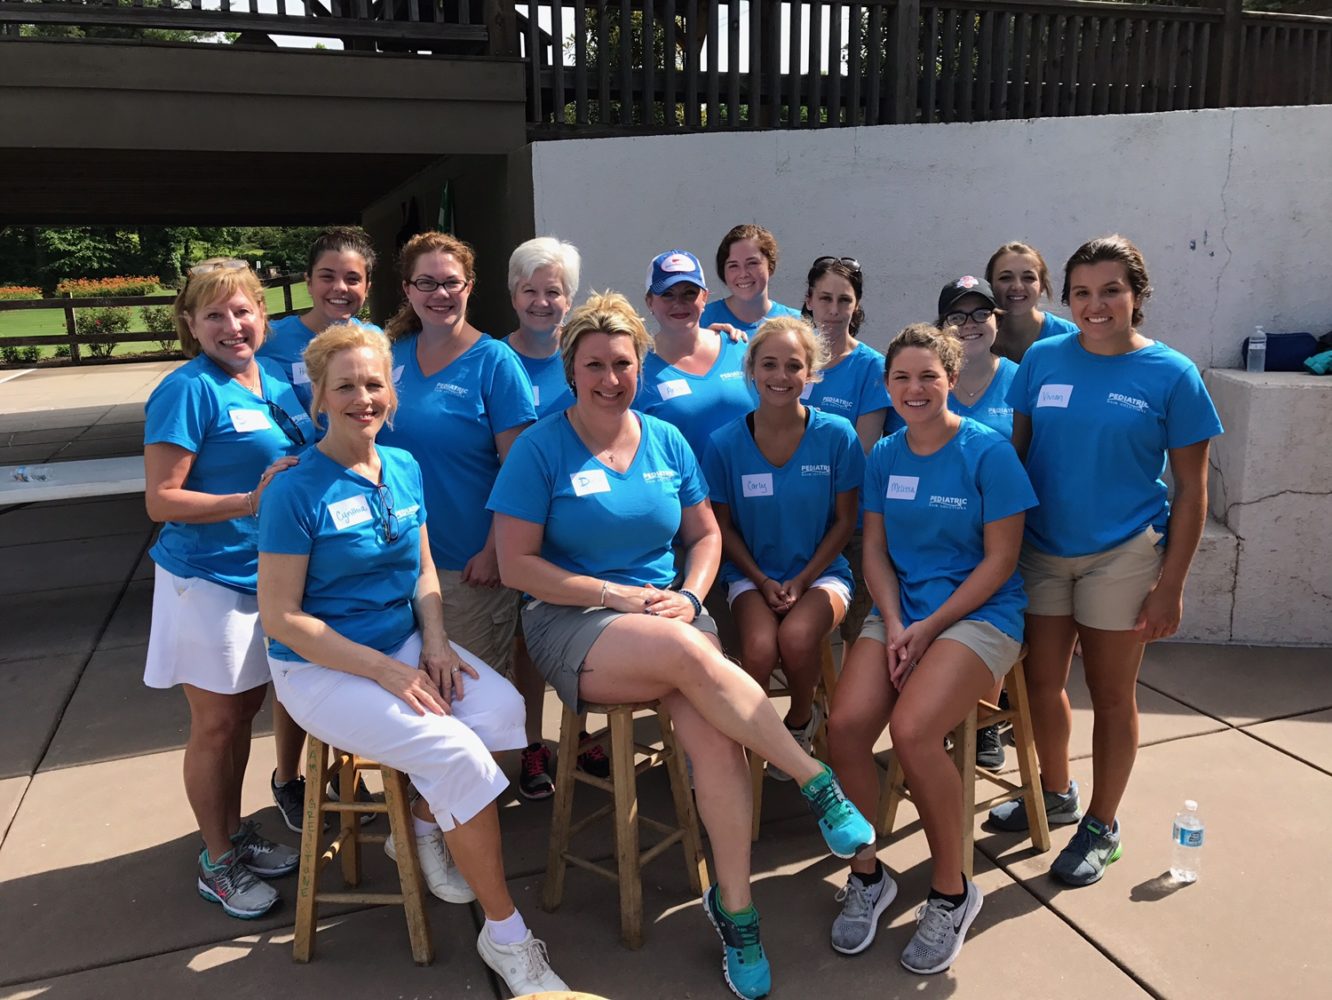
x=1187 y=843
x=1257 y=360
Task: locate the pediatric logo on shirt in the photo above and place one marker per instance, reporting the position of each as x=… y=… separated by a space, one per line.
x=1055 y=395
x=672 y=387
x=1128 y=402
x=836 y=403
x=660 y=475
x=949 y=503
x=299 y=376
x=902 y=487
x=819 y=469
x=451 y=389
x=350 y=512
x=731 y=375
x=758 y=484
x=407 y=511
x=248 y=421
x=589 y=481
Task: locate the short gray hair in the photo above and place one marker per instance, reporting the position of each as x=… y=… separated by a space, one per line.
x=545 y=251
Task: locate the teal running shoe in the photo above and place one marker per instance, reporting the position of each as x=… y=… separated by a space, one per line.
x=840 y=822
x=744 y=965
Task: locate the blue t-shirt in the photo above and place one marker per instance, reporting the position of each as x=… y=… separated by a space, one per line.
x=550 y=390
x=717 y=311
x=358 y=582
x=935 y=508
x=992 y=408
x=1100 y=430
x=615 y=526
x=852 y=387
x=697 y=404
x=783 y=512
x=284 y=345
x=1055 y=326
x=234 y=436
x=448 y=421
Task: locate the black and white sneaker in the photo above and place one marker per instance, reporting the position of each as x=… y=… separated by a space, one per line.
x=290 y=799
x=940 y=930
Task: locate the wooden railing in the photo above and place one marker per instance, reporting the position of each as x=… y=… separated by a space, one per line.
x=75 y=342
x=730 y=64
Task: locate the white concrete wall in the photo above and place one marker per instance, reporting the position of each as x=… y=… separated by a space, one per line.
x=1232 y=208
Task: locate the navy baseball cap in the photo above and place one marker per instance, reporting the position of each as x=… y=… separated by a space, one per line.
x=965 y=285
x=671 y=268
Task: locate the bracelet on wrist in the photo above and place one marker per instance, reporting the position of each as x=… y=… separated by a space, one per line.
x=693 y=600
x=604 y=585
x=249 y=502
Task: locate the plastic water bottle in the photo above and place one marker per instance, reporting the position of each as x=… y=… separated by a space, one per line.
x=1186 y=843
x=1257 y=361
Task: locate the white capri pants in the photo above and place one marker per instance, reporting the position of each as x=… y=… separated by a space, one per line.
x=447 y=756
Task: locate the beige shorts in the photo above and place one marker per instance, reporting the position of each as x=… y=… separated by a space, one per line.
x=480 y=619
x=997 y=650
x=1104 y=590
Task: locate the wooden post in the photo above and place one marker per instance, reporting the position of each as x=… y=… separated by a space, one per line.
x=502 y=23
x=1223 y=65
x=904 y=45
x=72 y=333
x=286 y=294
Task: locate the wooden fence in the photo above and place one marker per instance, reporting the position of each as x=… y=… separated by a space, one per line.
x=660 y=65
x=75 y=341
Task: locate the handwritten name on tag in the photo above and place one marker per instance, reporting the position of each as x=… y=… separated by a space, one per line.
x=757 y=485
x=350 y=512
x=589 y=481
x=1055 y=395
x=248 y=421
x=902 y=487
x=299 y=376
x=673 y=387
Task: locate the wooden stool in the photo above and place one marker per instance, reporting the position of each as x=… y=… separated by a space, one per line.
x=347 y=842
x=964 y=756
x=623 y=787
x=823 y=693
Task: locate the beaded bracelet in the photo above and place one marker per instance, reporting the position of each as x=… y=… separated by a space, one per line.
x=249 y=502
x=693 y=599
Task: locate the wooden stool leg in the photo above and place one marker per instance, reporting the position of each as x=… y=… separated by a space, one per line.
x=823 y=694
x=626 y=827
x=890 y=797
x=351 y=822
x=964 y=755
x=1033 y=796
x=696 y=866
x=409 y=865
x=552 y=891
x=312 y=825
x=756 y=764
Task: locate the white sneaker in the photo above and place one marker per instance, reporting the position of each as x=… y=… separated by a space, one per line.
x=441 y=874
x=524 y=967
x=804 y=736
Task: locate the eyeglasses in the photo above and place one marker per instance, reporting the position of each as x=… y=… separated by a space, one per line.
x=384 y=499
x=229 y=264
x=979 y=315
x=451 y=285
x=285 y=424
x=850 y=262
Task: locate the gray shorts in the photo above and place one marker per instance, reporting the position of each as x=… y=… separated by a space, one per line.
x=559 y=637
x=997 y=650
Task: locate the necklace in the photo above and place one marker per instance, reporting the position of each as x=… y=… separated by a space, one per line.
x=971 y=394
x=607 y=454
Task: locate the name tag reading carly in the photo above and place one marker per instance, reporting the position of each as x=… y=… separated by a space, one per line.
x=350 y=512
x=1055 y=395
x=757 y=485
x=299 y=376
x=589 y=481
x=248 y=421
x=902 y=487
x=673 y=387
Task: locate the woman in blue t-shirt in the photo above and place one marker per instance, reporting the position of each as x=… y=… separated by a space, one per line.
x=944 y=506
x=1096 y=417
x=783 y=482
x=464 y=397
x=586 y=510
x=1019 y=277
x=746 y=261
x=217 y=430
x=358 y=648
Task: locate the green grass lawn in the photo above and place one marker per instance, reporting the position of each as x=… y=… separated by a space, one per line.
x=46 y=322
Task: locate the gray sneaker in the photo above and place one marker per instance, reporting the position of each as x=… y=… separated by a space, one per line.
x=804 y=736
x=235 y=886
x=940 y=930
x=1061 y=809
x=290 y=799
x=262 y=856
x=1093 y=849
x=862 y=905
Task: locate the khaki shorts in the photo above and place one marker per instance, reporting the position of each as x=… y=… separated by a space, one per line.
x=997 y=650
x=1104 y=590
x=480 y=619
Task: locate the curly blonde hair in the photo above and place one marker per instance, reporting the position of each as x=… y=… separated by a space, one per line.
x=346 y=337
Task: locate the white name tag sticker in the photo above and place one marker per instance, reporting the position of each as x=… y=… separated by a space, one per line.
x=1055 y=395
x=299 y=376
x=536 y=395
x=350 y=512
x=806 y=392
x=757 y=485
x=589 y=481
x=247 y=421
x=902 y=487
x=397 y=373
x=673 y=387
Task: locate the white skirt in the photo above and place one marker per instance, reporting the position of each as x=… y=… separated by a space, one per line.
x=205 y=635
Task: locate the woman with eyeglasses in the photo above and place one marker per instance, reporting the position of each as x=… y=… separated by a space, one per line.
x=693 y=377
x=1018 y=274
x=464 y=397
x=217 y=431
x=358 y=648
x=967 y=305
x=746 y=262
